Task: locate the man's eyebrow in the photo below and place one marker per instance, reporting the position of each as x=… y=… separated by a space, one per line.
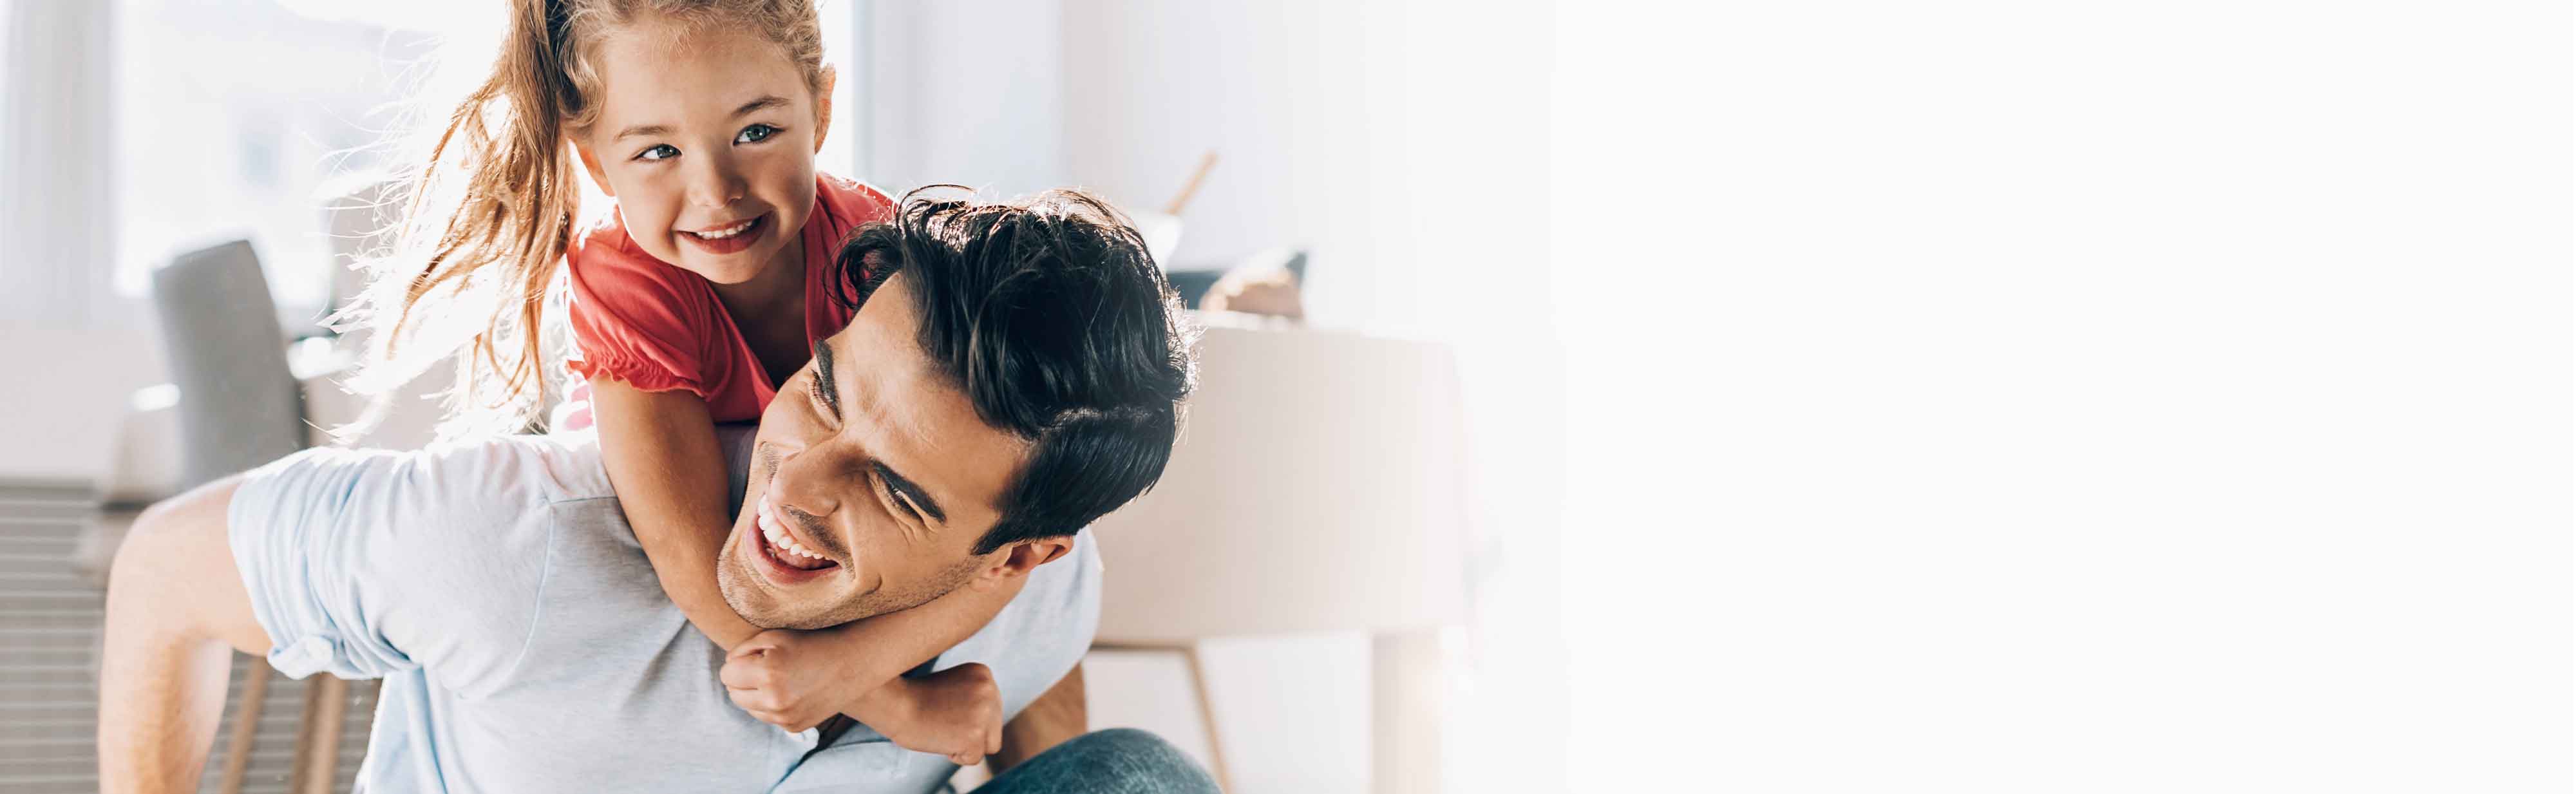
x=758 y=104
x=641 y=129
x=823 y=384
x=920 y=498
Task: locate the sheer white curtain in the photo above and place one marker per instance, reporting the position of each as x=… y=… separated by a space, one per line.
x=55 y=202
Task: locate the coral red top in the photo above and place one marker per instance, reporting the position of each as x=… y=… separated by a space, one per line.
x=654 y=325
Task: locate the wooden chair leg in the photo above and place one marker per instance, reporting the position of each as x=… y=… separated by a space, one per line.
x=255 y=675
x=317 y=742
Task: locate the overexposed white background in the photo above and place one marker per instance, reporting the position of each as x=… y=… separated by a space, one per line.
x=2068 y=397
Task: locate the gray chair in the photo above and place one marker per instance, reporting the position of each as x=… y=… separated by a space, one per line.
x=239 y=404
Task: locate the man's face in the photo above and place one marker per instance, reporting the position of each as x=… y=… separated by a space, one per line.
x=871 y=481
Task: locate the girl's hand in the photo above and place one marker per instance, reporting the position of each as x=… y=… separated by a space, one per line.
x=955 y=712
x=788 y=679
x=785 y=678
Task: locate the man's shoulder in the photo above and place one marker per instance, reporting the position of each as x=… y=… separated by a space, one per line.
x=366 y=562
x=562 y=471
x=549 y=468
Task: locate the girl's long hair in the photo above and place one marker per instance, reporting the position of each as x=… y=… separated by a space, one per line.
x=474 y=272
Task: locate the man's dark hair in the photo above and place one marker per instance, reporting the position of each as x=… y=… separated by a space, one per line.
x=1049 y=314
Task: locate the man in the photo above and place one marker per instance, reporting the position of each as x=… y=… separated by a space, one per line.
x=1013 y=373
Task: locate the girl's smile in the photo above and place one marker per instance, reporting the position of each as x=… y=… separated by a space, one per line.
x=731 y=237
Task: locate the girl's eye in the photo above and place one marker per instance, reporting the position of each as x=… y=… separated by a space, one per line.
x=755 y=133
x=659 y=152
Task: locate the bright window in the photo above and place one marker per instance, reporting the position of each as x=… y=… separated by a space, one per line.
x=239 y=118
x=242 y=118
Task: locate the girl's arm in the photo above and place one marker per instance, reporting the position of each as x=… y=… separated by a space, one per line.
x=663 y=458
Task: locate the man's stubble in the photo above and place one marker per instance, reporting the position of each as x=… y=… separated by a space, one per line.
x=762 y=608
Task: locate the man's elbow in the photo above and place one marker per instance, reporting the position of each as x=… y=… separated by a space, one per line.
x=174 y=578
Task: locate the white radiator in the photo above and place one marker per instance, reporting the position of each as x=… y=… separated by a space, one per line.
x=50 y=616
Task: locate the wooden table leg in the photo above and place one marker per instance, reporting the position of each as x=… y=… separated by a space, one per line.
x=1207 y=718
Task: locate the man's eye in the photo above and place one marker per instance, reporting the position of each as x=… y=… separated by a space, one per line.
x=755 y=133
x=814 y=394
x=658 y=152
x=898 y=500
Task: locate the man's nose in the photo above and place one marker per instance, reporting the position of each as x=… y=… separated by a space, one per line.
x=809 y=480
x=713 y=184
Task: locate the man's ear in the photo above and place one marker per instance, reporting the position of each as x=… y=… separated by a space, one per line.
x=590 y=162
x=1021 y=557
x=823 y=109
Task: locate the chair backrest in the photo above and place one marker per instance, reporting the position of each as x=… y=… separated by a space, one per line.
x=239 y=404
x=1318 y=486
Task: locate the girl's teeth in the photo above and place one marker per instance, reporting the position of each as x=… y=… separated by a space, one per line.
x=719 y=235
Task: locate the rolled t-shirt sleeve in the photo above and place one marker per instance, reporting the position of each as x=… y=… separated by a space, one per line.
x=367 y=563
x=634 y=319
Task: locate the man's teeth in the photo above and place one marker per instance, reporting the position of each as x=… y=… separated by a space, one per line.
x=780 y=540
x=727 y=231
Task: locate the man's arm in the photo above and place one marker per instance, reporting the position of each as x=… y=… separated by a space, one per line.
x=176 y=611
x=1054 y=718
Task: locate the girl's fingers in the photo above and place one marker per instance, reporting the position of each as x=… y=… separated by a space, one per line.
x=738 y=676
x=756 y=701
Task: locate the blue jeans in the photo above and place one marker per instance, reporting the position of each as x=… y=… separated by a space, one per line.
x=1112 y=761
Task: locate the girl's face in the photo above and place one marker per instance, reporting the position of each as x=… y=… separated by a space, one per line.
x=706 y=139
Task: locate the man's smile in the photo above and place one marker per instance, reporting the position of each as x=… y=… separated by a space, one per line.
x=784 y=558
x=784 y=542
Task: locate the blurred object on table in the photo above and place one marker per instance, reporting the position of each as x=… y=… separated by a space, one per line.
x=1162 y=230
x=1270 y=281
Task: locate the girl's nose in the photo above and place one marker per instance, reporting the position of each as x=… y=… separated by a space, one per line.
x=715 y=187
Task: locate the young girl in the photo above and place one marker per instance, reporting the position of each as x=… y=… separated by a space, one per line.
x=689 y=304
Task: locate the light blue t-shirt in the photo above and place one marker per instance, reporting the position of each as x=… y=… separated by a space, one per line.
x=525 y=644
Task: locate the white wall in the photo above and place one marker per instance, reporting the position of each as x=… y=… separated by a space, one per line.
x=961 y=93
x=1399 y=142
x=1283 y=93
